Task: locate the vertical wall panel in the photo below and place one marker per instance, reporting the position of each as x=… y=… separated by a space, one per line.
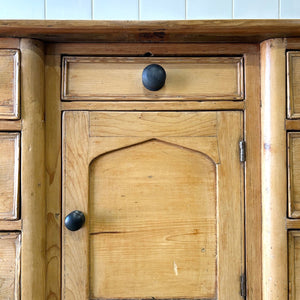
x=20 y=9
x=290 y=9
x=69 y=9
x=149 y=9
x=214 y=9
x=255 y=9
x=162 y=9
x=116 y=10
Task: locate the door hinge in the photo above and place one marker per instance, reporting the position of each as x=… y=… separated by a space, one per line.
x=242 y=145
x=243 y=285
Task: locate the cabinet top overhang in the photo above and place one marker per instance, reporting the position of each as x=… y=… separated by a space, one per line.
x=151 y=31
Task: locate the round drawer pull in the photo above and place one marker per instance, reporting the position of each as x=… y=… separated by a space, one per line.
x=154 y=77
x=74 y=220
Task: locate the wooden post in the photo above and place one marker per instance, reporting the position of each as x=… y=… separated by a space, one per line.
x=32 y=170
x=274 y=194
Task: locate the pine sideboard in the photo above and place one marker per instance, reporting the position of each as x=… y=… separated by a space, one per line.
x=111 y=188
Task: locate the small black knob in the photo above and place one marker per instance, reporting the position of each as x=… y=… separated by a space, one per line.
x=154 y=77
x=74 y=220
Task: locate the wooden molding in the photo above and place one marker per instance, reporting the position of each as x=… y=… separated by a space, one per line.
x=151 y=31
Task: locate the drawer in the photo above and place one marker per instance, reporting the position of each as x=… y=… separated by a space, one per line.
x=10 y=246
x=9 y=175
x=294 y=264
x=9 y=84
x=120 y=78
x=293 y=140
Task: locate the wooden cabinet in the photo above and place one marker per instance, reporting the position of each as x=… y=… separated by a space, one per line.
x=187 y=192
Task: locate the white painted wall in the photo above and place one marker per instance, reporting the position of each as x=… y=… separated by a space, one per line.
x=149 y=9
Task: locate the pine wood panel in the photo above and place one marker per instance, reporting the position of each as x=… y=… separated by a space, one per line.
x=294 y=265
x=9 y=175
x=102 y=78
x=293 y=84
x=205 y=145
x=253 y=216
x=230 y=186
x=75 y=285
x=124 y=228
x=9 y=84
x=132 y=233
x=154 y=124
x=10 y=246
x=292 y=223
x=152 y=106
x=294 y=174
x=9 y=43
x=6 y=125
x=33 y=171
x=274 y=169
x=151 y=31
x=53 y=177
x=11 y=225
x=156 y=49
x=292 y=125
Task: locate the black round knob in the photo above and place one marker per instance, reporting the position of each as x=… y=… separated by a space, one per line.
x=154 y=77
x=74 y=220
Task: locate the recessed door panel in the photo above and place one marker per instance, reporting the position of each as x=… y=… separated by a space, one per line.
x=152 y=220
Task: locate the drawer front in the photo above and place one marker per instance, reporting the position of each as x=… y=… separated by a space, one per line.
x=294 y=174
x=294 y=264
x=108 y=78
x=10 y=245
x=9 y=84
x=9 y=175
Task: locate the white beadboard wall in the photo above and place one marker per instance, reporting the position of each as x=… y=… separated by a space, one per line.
x=149 y=9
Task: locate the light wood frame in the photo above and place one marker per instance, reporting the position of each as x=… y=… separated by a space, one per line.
x=251 y=107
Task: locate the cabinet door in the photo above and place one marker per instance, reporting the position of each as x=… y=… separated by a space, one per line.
x=162 y=195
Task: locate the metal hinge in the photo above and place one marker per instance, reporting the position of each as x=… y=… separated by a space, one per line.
x=243 y=285
x=242 y=145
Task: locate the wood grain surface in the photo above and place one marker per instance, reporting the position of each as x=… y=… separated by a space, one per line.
x=274 y=187
x=293 y=174
x=150 y=124
x=149 y=231
x=103 y=78
x=253 y=215
x=9 y=84
x=294 y=265
x=10 y=249
x=151 y=31
x=9 y=175
x=53 y=177
x=293 y=84
x=152 y=106
x=136 y=197
x=33 y=202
